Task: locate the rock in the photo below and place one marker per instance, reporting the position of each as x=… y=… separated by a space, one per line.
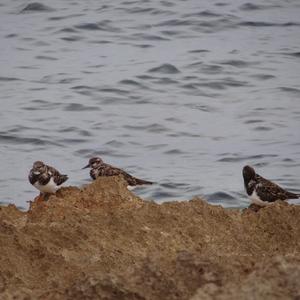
x=103 y=242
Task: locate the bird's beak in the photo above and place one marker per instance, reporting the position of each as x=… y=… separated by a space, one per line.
x=87 y=166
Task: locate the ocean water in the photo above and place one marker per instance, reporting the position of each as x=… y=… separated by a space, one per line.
x=182 y=93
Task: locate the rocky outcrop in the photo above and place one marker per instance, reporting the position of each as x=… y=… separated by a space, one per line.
x=103 y=242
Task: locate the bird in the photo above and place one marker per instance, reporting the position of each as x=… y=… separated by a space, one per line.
x=46 y=178
x=99 y=168
x=261 y=191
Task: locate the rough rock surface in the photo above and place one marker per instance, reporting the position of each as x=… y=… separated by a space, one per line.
x=103 y=242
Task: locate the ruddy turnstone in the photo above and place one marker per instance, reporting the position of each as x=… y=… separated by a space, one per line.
x=99 y=168
x=262 y=191
x=45 y=178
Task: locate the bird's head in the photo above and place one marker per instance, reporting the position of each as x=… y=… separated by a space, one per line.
x=39 y=167
x=94 y=162
x=248 y=174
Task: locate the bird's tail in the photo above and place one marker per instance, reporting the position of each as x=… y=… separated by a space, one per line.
x=141 y=181
x=293 y=196
x=62 y=179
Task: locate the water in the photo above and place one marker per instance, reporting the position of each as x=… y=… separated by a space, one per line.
x=182 y=93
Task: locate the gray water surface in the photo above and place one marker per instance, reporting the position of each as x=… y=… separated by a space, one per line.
x=183 y=93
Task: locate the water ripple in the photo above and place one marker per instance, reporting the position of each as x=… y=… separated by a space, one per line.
x=240 y=157
x=36 y=7
x=80 y=107
x=17 y=140
x=253 y=7
x=267 y=24
x=165 y=69
x=103 y=26
x=9 y=78
x=186 y=91
x=155 y=128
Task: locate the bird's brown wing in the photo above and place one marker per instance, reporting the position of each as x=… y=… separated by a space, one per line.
x=33 y=178
x=269 y=191
x=109 y=170
x=57 y=177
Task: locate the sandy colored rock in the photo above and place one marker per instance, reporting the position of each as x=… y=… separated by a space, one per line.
x=103 y=242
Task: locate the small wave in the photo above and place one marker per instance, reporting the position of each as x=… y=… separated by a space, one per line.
x=221 y=4
x=172 y=32
x=83 y=89
x=238 y=63
x=36 y=7
x=52 y=79
x=24 y=140
x=155 y=128
x=174 y=151
x=88 y=153
x=160 y=194
x=58 y=18
x=75 y=129
x=295 y=54
x=263 y=128
x=114 y=90
x=199 y=51
x=148 y=37
x=72 y=141
x=73 y=38
x=251 y=6
x=223 y=84
x=204 y=13
x=202 y=107
x=267 y=24
x=156 y=146
x=44 y=57
x=100 y=42
x=131 y=83
x=165 y=81
x=172 y=185
x=143 y=46
x=288 y=160
x=263 y=76
x=103 y=26
x=88 y=26
x=290 y=90
x=253 y=121
x=207 y=68
x=146 y=77
x=67 y=80
x=38 y=104
x=238 y=157
x=11 y=35
x=9 y=78
x=68 y=30
x=80 y=107
x=174 y=22
x=147 y=10
x=185 y=134
x=174 y=120
x=165 y=69
x=114 y=143
x=219 y=196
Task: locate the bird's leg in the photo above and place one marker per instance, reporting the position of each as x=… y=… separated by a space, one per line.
x=46 y=197
x=254 y=207
x=39 y=198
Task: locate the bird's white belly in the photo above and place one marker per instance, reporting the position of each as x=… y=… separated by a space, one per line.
x=131 y=188
x=50 y=187
x=256 y=200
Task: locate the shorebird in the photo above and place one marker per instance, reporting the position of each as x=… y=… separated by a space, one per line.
x=99 y=168
x=46 y=178
x=262 y=191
